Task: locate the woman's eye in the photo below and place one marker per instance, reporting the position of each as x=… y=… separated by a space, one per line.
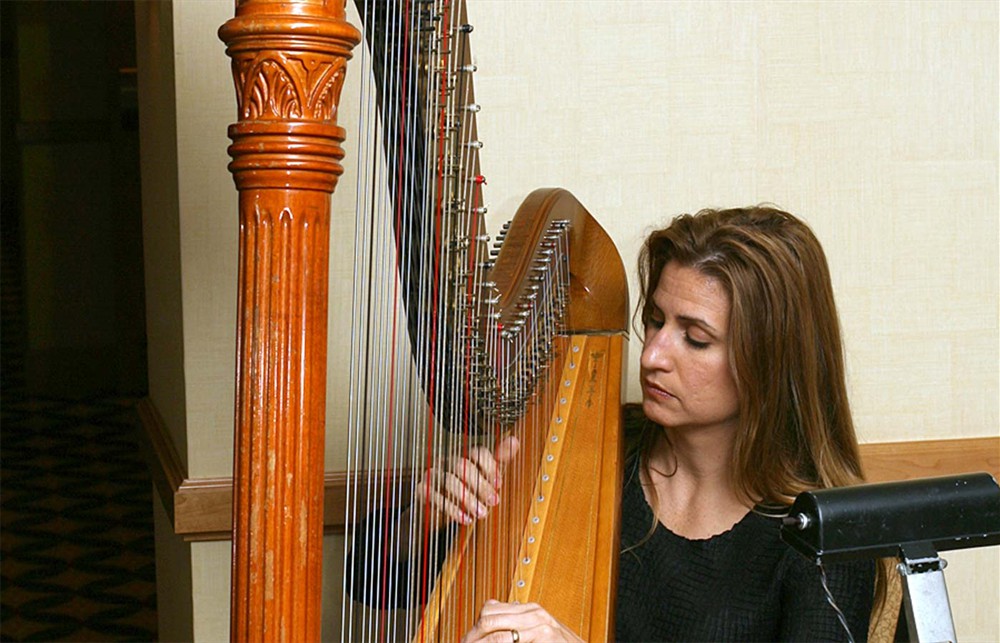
x=694 y=343
x=653 y=323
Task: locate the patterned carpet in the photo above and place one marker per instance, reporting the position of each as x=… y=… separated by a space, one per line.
x=76 y=525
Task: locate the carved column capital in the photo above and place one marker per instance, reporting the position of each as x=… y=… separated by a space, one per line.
x=288 y=64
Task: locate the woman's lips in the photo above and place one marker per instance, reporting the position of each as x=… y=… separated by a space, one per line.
x=655 y=391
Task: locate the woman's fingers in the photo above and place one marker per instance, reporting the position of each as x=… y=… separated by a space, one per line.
x=460 y=493
x=486 y=465
x=506 y=636
x=482 y=471
x=507 y=449
x=442 y=504
x=469 y=490
x=498 y=621
x=492 y=464
x=468 y=487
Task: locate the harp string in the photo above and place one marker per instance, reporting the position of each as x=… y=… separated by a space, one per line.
x=420 y=246
x=356 y=437
x=369 y=423
x=396 y=374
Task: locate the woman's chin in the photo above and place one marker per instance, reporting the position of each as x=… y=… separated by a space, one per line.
x=653 y=412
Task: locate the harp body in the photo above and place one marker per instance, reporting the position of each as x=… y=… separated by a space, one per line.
x=566 y=556
x=553 y=537
x=564 y=501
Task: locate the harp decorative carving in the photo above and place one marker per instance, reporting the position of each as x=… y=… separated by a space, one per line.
x=282 y=87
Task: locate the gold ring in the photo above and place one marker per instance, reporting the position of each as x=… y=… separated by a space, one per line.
x=514 y=636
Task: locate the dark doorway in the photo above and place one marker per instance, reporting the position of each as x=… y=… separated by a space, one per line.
x=72 y=227
x=77 y=531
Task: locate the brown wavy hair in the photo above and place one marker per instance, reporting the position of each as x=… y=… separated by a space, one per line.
x=785 y=349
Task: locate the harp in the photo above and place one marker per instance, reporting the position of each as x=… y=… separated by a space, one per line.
x=528 y=343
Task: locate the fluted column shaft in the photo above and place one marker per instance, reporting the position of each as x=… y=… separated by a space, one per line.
x=288 y=60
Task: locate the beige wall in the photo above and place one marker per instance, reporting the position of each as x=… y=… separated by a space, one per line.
x=161 y=242
x=876 y=122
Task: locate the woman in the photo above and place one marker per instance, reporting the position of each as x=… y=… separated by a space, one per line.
x=743 y=389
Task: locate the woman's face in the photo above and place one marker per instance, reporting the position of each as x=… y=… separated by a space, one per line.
x=687 y=382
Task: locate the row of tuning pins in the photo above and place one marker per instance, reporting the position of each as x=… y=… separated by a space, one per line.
x=481 y=297
x=430 y=21
x=542 y=315
x=557 y=228
x=545 y=273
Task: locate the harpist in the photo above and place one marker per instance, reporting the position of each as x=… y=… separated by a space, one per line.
x=745 y=406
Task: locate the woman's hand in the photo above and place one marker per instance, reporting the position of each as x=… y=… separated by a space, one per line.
x=517 y=623
x=464 y=489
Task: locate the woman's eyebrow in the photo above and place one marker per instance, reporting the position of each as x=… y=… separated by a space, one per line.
x=699 y=322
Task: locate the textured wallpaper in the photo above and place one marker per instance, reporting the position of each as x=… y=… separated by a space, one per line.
x=875 y=122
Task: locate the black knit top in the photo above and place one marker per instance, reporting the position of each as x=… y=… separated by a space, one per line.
x=745 y=584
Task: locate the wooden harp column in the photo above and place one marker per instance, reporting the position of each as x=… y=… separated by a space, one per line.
x=288 y=62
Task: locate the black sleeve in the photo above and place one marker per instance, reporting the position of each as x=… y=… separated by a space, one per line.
x=377 y=576
x=806 y=615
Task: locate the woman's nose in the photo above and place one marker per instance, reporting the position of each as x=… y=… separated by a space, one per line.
x=657 y=352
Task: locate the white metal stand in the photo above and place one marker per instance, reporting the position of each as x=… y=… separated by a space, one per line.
x=925 y=596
